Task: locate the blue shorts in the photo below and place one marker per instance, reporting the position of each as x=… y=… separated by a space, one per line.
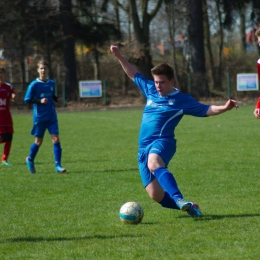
x=164 y=148
x=39 y=128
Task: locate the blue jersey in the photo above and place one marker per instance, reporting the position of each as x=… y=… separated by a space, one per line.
x=37 y=90
x=163 y=113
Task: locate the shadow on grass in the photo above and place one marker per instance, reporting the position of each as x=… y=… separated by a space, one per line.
x=47 y=239
x=71 y=171
x=216 y=217
x=149 y=223
x=78 y=161
x=118 y=170
x=87 y=171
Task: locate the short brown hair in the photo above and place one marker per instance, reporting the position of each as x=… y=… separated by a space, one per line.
x=43 y=62
x=257 y=33
x=163 y=69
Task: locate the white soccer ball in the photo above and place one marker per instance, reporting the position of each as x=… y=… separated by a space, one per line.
x=131 y=213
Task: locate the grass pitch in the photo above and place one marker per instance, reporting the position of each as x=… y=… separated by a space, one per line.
x=75 y=215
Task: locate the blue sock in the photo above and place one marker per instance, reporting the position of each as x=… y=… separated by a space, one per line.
x=57 y=153
x=168 y=202
x=168 y=183
x=33 y=151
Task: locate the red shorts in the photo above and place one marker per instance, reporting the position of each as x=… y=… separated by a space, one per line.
x=6 y=129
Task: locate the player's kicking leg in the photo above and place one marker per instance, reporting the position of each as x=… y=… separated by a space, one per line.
x=168 y=183
x=157 y=193
x=6 y=139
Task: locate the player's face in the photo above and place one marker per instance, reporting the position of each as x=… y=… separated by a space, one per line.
x=163 y=85
x=42 y=70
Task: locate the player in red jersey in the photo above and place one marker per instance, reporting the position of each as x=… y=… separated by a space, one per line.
x=257 y=106
x=6 y=123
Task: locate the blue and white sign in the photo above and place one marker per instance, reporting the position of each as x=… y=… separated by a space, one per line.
x=247 y=82
x=89 y=88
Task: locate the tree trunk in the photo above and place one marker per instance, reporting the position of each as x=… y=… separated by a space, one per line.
x=243 y=29
x=96 y=54
x=170 y=12
x=69 y=49
x=48 y=51
x=196 y=38
x=143 y=60
x=215 y=65
x=22 y=58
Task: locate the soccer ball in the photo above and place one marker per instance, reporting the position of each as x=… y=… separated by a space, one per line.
x=131 y=213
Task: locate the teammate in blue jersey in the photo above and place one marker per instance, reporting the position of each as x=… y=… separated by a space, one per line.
x=41 y=94
x=164 y=109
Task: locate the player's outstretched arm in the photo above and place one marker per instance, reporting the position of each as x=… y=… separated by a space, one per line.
x=216 y=110
x=257 y=113
x=257 y=109
x=13 y=97
x=127 y=67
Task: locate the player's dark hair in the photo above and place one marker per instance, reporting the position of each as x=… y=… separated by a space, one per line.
x=2 y=69
x=43 y=62
x=163 y=69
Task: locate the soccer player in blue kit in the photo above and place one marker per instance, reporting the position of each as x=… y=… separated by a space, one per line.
x=40 y=93
x=165 y=107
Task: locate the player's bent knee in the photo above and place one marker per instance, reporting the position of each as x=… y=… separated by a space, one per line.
x=38 y=141
x=6 y=137
x=152 y=166
x=55 y=139
x=154 y=161
x=155 y=191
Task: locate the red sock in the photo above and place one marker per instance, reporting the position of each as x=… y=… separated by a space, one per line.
x=7 y=148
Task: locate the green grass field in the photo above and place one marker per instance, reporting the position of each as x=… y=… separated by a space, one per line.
x=75 y=215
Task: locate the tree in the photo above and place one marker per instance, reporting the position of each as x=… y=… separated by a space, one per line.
x=176 y=13
x=25 y=27
x=82 y=23
x=68 y=42
x=143 y=59
x=141 y=24
x=237 y=8
x=13 y=30
x=215 y=63
x=196 y=41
